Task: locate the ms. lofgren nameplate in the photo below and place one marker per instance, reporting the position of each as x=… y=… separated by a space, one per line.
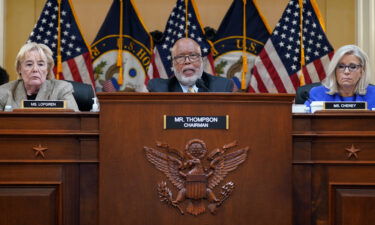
x=196 y=122
x=43 y=104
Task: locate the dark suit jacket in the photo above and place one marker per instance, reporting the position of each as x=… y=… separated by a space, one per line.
x=207 y=83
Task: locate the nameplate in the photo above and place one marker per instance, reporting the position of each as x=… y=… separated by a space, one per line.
x=345 y=105
x=43 y=104
x=196 y=122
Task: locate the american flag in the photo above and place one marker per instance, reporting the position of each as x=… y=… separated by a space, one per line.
x=181 y=23
x=76 y=58
x=278 y=66
x=111 y=85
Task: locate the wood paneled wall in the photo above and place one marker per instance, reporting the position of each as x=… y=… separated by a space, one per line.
x=21 y=16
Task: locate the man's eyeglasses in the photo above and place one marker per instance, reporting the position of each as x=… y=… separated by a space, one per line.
x=351 y=67
x=180 y=59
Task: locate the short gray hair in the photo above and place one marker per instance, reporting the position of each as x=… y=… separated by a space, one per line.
x=42 y=49
x=330 y=81
x=173 y=49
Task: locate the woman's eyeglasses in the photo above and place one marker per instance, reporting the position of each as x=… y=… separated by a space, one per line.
x=351 y=67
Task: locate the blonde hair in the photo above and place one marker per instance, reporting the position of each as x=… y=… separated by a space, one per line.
x=43 y=50
x=330 y=81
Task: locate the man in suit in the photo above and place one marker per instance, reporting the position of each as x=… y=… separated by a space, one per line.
x=188 y=72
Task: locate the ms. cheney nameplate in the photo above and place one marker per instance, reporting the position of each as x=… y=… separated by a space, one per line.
x=196 y=122
x=43 y=104
x=345 y=105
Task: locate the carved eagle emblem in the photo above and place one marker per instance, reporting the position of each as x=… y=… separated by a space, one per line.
x=195 y=173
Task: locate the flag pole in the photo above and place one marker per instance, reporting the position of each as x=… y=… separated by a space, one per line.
x=244 y=53
x=186 y=18
x=58 y=57
x=120 y=46
x=302 y=61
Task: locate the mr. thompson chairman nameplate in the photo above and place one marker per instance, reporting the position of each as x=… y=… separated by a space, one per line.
x=196 y=122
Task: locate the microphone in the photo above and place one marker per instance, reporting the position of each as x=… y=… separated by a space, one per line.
x=200 y=84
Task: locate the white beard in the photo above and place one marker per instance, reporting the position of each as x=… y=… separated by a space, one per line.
x=189 y=81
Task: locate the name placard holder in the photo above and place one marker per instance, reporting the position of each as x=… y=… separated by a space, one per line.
x=345 y=105
x=43 y=105
x=196 y=122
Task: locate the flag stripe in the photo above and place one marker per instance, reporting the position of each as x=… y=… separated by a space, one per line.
x=295 y=81
x=67 y=75
x=81 y=64
x=325 y=60
x=90 y=69
x=151 y=72
x=209 y=61
x=257 y=83
x=71 y=64
x=306 y=74
x=266 y=77
x=159 y=66
x=317 y=71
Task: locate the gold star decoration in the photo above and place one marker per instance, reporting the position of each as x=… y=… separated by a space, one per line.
x=352 y=152
x=39 y=150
